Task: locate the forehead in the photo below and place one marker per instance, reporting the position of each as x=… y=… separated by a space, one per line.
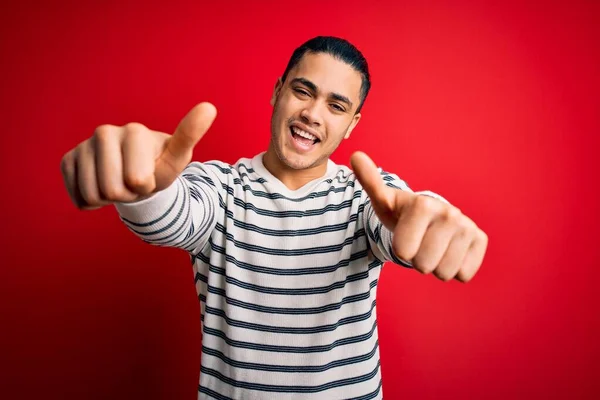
x=329 y=74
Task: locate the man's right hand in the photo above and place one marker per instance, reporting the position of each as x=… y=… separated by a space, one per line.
x=129 y=163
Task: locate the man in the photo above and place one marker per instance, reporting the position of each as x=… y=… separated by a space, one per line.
x=286 y=246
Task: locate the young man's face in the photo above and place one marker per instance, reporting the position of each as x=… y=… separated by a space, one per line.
x=314 y=109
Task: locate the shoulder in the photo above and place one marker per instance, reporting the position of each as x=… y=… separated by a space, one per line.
x=393 y=180
x=220 y=169
x=345 y=175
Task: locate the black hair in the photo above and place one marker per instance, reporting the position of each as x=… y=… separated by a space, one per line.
x=342 y=50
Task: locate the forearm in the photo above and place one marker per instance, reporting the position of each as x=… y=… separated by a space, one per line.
x=182 y=215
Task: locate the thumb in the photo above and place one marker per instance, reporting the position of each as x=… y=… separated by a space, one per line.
x=191 y=129
x=178 y=150
x=369 y=177
x=383 y=198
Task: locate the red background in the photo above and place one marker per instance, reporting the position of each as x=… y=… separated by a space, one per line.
x=494 y=107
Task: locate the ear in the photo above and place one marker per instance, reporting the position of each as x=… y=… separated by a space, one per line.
x=276 y=91
x=352 y=125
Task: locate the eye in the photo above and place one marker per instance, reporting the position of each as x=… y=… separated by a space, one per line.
x=337 y=107
x=301 y=92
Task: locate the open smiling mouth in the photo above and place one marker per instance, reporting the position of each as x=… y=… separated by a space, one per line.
x=303 y=140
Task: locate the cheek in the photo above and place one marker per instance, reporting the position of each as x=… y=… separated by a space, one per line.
x=336 y=130
x=290 y=106
x=278 y=118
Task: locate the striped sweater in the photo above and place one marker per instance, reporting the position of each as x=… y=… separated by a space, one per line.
x=286 y=279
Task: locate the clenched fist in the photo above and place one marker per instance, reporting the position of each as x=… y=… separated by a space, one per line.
x=434 y=236
x=128 y=163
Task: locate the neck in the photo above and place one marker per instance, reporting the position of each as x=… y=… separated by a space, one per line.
x=293 y=179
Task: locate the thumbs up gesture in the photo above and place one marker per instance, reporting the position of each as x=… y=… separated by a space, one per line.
x=131 y=162
x=434 y=236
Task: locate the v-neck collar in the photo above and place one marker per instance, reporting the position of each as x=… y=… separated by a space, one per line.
x=279 y=187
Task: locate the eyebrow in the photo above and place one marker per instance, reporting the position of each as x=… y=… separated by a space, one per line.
x=314 y=88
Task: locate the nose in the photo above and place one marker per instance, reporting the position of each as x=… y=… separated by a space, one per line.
x=310 y=115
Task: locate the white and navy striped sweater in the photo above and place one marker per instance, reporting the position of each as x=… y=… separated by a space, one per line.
x=287 y=279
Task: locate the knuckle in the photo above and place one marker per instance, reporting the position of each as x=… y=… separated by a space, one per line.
x=483 y=237
x=104 y=132
x=138 y=182
x=66 y=164
x=79 y=202
x=453 y=214
x=91 y=200
x=401 y=252
x=464 y=277
x=134 y=128
x=425 y=204
x=113 y=193
x=443 y=276
x=86 y=198
x=424 y=266
x=467 y=273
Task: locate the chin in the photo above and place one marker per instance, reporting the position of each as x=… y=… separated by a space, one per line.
x=295 y=161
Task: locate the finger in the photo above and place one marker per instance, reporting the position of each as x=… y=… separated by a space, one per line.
x=454 y=256
x=412 y=226
x=473 y=259
x=109 y=164
x=138 y=160
x=370 y=179
x=435 y=243
x=86 y=177
x=179 y=148
x=68 y=168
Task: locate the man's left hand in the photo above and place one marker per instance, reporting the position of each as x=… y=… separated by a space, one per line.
x=434 y=236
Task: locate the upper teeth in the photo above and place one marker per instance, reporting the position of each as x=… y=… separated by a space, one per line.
x=305 y=135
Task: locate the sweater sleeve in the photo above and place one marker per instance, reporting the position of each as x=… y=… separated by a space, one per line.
x=380 y=238
x=182 y=215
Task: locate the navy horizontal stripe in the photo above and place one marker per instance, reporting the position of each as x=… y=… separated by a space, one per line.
x=212 y=394
x=278 y=196
x=371 y=395
x=229 y=167
x=287 y=310
x=340 y=176
x=201 y=277
x=295 y=213
x=279 y=271
x=290 y=349
x=290 y=368
x=294 y=330
x=243 y=175
x=294 y=232
x=293 y=291
x=291 y=389
x=310 y=251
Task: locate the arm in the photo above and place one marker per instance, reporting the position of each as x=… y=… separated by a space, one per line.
x=147 y=175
